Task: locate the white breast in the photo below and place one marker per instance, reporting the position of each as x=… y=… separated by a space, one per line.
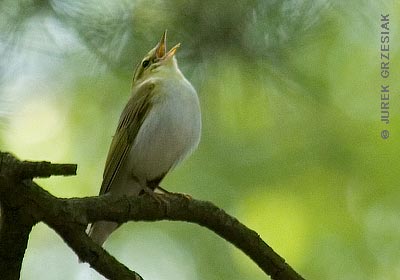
x=170 y=132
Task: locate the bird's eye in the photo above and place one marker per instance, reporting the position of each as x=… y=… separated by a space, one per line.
x=145 y=63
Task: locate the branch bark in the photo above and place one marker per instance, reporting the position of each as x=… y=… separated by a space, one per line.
x=69 y=217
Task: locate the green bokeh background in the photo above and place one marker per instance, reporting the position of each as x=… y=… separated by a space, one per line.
x=291 y=141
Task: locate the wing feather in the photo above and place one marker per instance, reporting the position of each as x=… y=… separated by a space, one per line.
x=131 y=120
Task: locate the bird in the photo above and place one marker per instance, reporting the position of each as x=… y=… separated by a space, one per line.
x=159 y=127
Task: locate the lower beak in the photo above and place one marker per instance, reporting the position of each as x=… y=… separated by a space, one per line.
x=172 y=51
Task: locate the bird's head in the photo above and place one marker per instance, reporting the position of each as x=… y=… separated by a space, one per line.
x=156 y=59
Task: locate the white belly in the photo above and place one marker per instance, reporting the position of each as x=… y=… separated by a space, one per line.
x=170 y=132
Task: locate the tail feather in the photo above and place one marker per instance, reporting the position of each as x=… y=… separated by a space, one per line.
x=122 y=185
x=100 y=231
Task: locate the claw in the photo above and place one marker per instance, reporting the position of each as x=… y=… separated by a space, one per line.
x=161 y=190
x=157 y=196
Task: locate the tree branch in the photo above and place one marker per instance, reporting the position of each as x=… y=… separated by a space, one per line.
x=178 y=207
x=69 y=217
x=96 y=256
x=15 y=226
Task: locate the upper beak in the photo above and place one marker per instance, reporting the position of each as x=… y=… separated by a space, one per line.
x=161 y=50
x=162 y=46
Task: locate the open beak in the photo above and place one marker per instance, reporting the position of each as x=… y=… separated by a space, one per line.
x=161 y=50
x=162 y=46
x=172 y=51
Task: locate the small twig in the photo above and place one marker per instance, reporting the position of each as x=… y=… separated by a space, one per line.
x=34 y=169
x=44 y=169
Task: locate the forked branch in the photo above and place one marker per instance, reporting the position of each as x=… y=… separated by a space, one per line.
x=24 y=203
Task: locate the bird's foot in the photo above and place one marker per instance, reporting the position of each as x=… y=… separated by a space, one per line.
x=161 y=190
x=157 y=196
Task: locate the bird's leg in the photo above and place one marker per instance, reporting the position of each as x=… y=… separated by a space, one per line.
x=156 y=195
x=154 y=184
x=161 y=190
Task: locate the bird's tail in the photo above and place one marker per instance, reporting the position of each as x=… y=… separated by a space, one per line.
x=100 y=231
x=127 y=185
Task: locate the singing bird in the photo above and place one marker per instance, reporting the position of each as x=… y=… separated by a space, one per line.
x=158 y=128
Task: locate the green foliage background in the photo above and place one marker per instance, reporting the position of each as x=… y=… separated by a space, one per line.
x=291 y=141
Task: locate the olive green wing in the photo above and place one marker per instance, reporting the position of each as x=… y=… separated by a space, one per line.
x=131 y=120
